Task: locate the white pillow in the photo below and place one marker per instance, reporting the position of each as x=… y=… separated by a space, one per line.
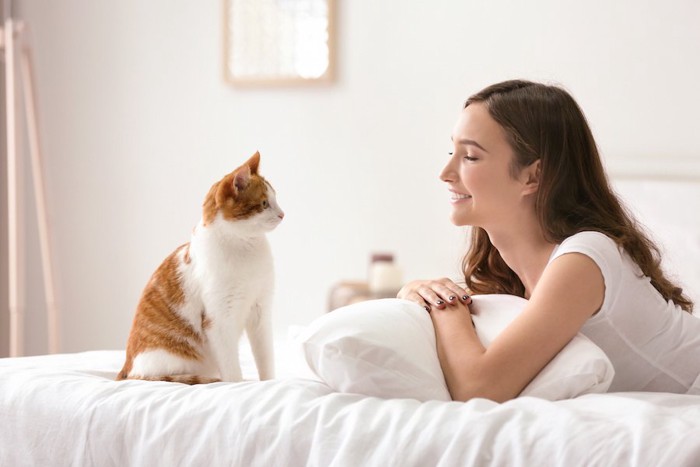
x=386 y=348
x=579 y=368
x=383 y=348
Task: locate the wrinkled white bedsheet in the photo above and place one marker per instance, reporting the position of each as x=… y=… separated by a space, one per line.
x=67 y=410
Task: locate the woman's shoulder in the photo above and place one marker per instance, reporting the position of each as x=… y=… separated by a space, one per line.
x=597 y=245
x=591 y=238
x=604 y=252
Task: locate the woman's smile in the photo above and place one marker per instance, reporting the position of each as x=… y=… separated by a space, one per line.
x=456 y=197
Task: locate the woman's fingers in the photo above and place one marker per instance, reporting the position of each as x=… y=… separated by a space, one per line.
x=451 y=292
x=430 y=295
x=434 y=293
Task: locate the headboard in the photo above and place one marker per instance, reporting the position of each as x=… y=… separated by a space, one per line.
x=667 y=201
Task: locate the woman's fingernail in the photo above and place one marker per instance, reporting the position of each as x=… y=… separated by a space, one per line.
x=439 y=302
x=451 y=297
x=427 y=308
x=465 y=297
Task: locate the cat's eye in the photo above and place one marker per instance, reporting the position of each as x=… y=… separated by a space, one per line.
x=265 y=204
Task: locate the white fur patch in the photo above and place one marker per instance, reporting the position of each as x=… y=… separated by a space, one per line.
x=159 y=362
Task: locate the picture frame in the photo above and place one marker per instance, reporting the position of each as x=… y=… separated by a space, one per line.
x=278 y=42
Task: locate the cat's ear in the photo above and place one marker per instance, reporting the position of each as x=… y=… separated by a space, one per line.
x=254 y=162
x=241 y=179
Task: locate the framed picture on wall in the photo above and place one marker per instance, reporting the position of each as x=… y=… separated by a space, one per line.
x=278 y=42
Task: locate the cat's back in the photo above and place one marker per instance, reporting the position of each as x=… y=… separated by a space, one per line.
x=169 y=312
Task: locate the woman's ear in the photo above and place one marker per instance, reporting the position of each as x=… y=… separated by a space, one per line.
x=531 y=176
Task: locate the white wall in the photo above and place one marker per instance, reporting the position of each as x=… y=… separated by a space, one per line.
x=137 y=123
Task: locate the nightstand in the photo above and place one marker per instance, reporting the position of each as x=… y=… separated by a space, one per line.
x=349 y=292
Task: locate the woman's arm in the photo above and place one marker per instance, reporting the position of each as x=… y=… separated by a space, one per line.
x=570 y=291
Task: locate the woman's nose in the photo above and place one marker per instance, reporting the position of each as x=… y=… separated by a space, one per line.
x=448 y=174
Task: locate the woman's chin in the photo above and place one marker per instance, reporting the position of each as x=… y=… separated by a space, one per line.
x=459 y=221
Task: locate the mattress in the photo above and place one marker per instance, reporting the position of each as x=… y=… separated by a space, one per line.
x=68 y=410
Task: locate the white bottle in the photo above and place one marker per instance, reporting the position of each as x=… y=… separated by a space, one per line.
x=384 y=276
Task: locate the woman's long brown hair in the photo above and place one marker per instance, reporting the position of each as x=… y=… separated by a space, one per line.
x=545 y=123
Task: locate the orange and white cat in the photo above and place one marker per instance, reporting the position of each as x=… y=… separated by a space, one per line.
x=201 y=299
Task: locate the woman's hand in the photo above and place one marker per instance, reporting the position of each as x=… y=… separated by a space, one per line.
x=434 y=293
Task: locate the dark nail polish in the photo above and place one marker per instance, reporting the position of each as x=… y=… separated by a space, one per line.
x=427 y=308
x=439 y=302
x=465 y=297
x=452 y=297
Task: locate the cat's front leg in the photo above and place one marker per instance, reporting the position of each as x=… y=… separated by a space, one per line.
x=223 y=335
x=259 y=330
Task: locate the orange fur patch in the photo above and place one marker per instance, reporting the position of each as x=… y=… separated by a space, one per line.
x=156 y=323
x=186 y=257
x=206 y=322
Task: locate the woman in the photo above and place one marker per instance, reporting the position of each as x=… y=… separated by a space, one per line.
x=526 y=174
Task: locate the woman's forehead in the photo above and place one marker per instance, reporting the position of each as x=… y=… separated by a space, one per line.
x=476 y=127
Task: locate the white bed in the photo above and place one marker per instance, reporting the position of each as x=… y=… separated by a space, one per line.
x=68 y=410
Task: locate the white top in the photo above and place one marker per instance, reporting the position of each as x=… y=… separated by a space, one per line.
x=652 y=343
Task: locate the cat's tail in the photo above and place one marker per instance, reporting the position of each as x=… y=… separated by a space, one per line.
x=183 y=379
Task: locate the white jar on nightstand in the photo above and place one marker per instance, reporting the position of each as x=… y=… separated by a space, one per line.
x=384 y=276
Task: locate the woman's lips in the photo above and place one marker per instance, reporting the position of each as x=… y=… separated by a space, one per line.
x=458 y=197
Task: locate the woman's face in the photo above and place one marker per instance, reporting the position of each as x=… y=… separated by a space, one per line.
x=482 y=191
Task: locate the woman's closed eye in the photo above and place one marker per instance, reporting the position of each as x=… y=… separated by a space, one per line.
x=467 y=157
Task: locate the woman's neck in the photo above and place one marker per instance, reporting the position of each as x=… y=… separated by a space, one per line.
x=525 y=251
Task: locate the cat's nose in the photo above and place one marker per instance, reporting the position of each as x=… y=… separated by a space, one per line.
x=280 y=215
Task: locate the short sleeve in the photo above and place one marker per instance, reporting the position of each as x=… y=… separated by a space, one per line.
x=605 y=253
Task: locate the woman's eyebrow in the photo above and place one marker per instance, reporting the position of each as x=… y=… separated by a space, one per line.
x=471 y=142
